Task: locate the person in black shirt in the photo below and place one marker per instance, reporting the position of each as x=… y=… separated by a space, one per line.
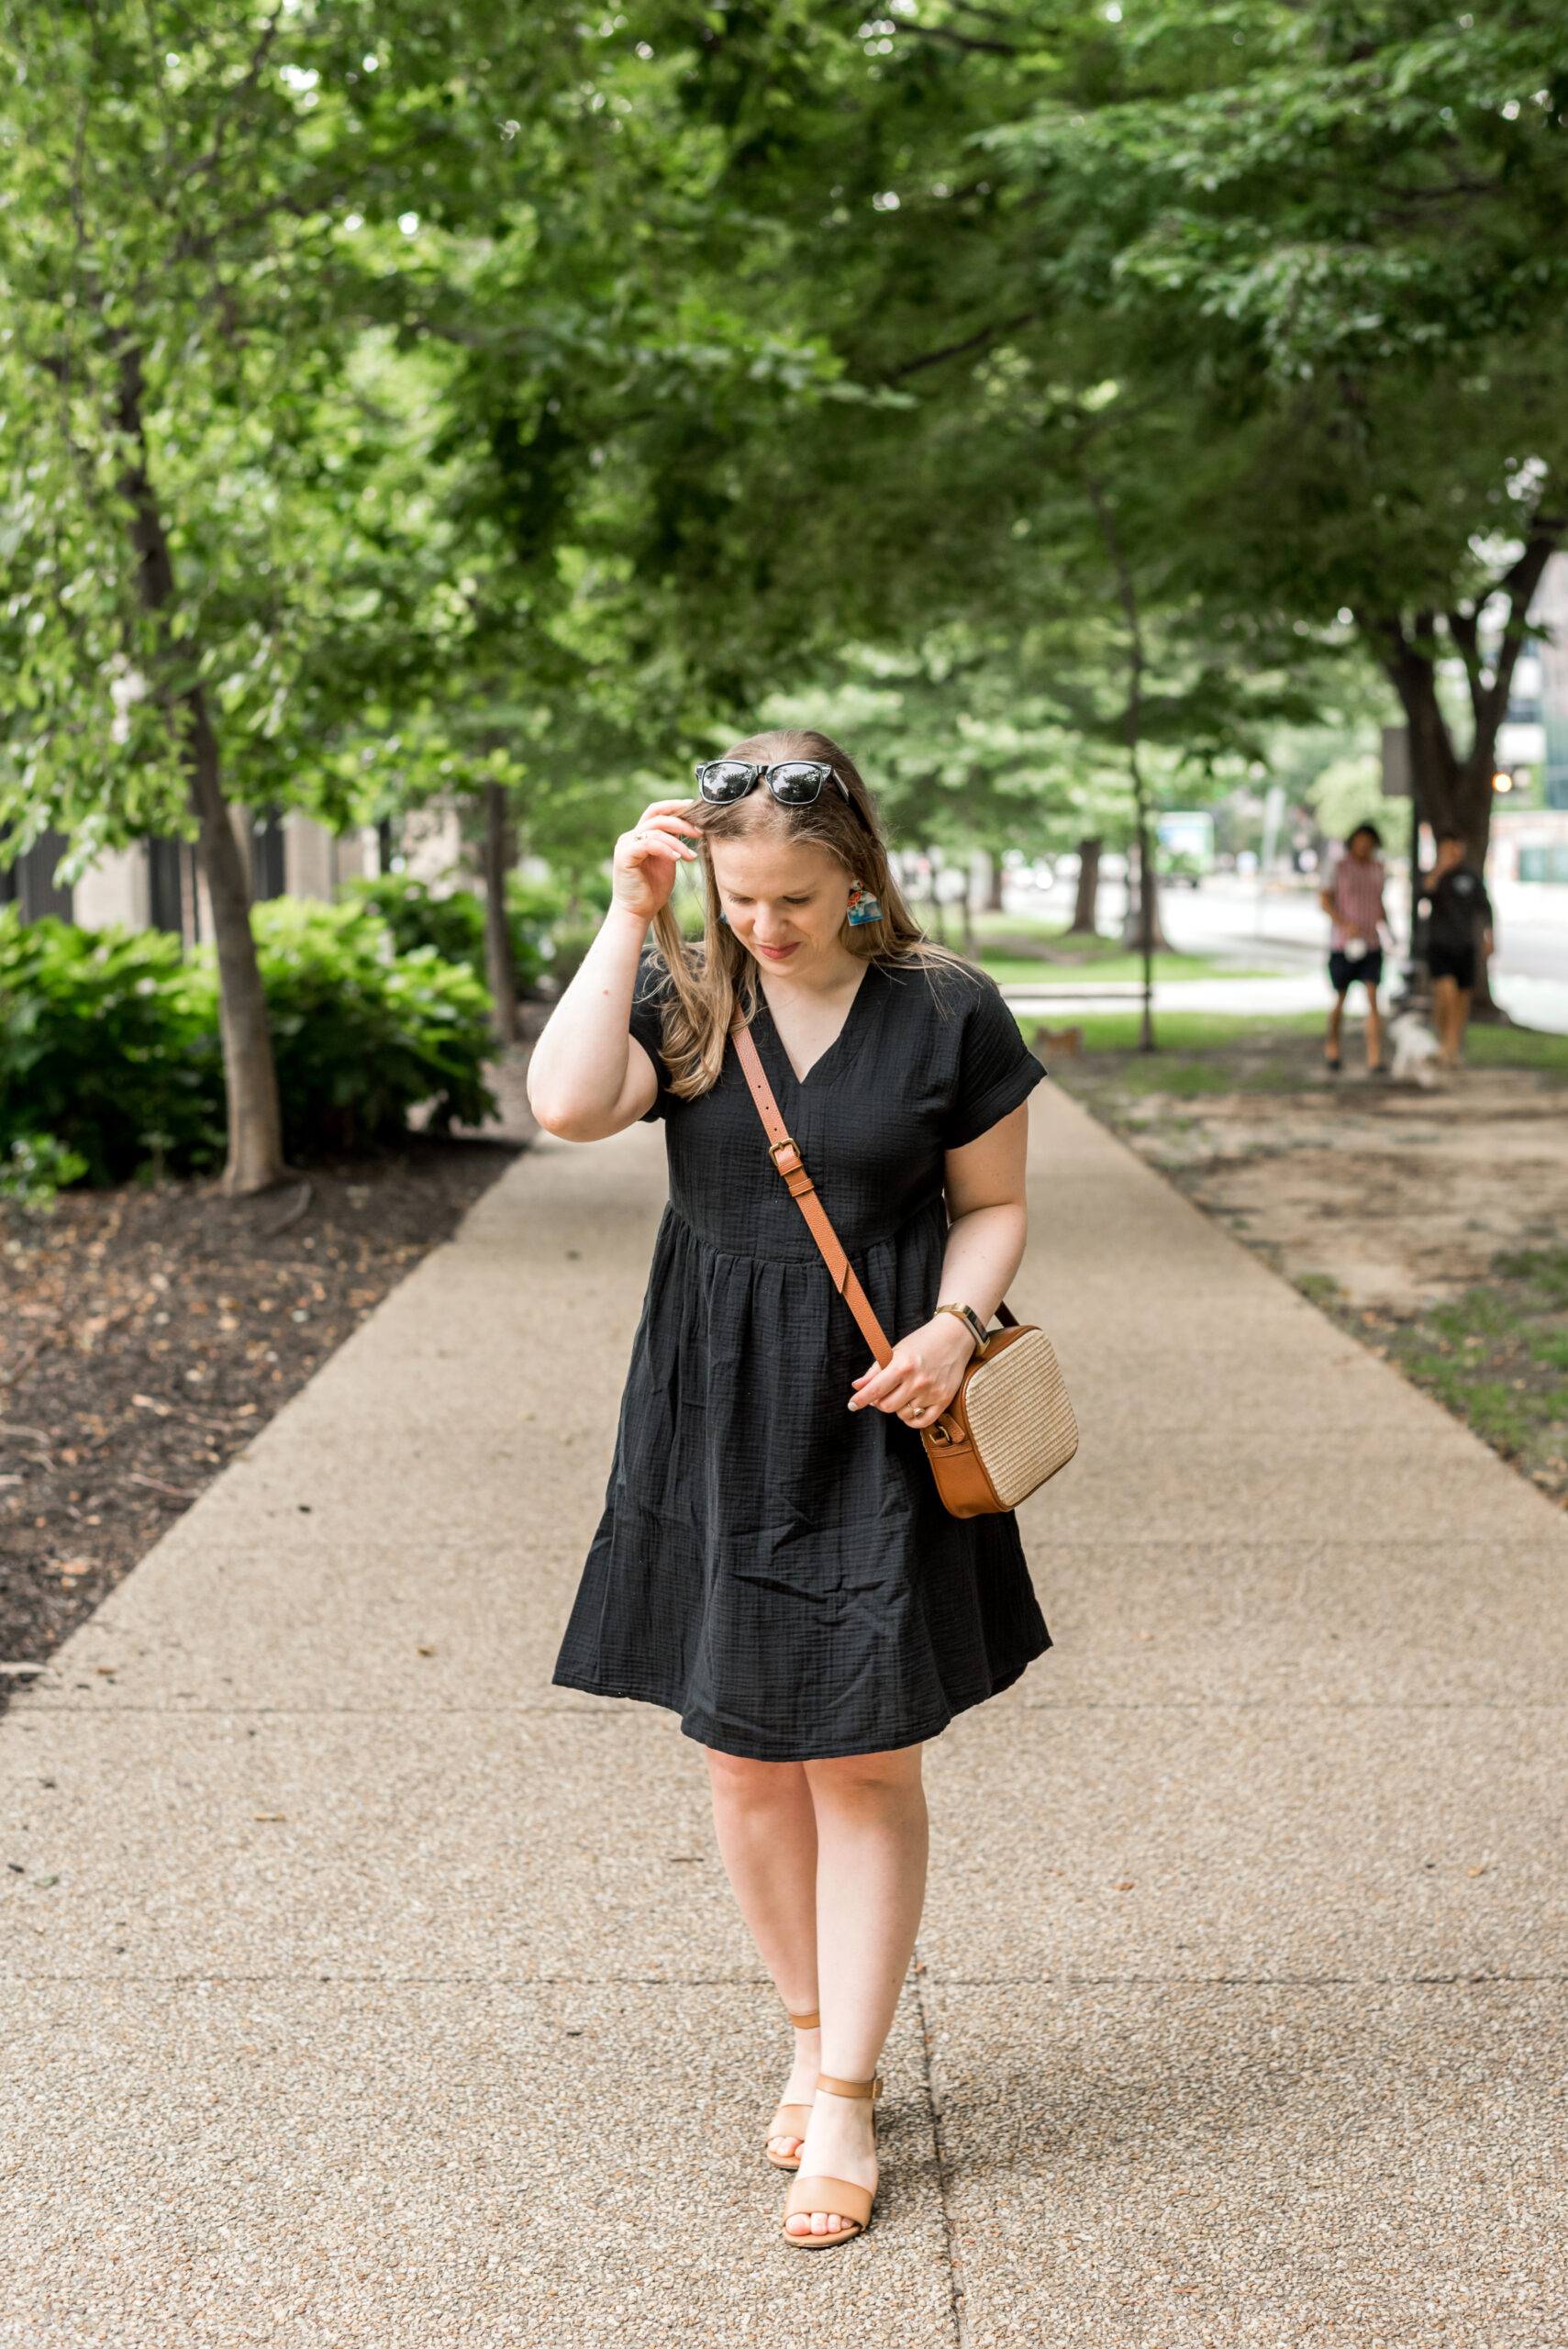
x=1456 y=904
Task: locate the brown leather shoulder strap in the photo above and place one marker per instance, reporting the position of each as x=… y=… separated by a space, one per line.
x=784 y=1152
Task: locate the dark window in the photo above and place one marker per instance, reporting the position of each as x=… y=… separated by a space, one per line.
x=29 y=882
x=268 y=878
x=164 y=889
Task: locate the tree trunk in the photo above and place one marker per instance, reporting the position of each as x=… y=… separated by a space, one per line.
x=1148 y=920
x=1132 y=929
x=1086 y=910
x=1132 y=721
x=994 y=889
x=1454 y=794
x=255 y=1120
x=250 y=1073
x=499 y=967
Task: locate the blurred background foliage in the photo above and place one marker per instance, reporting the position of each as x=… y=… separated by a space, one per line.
x=430 y=402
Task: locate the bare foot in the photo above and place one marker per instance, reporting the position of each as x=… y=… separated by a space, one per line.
x=800 y=2088
x=840 y=2144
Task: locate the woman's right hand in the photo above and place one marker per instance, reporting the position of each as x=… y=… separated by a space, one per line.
x=646 y=858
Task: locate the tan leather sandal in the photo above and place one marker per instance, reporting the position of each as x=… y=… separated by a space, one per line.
x=833 y=2198
x=784 y=2120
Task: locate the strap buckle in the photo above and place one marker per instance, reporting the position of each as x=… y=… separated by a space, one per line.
x=789 y=1142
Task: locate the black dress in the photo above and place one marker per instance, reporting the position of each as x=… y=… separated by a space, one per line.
x=775 y=1568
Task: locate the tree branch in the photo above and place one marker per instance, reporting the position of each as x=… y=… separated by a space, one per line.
x=1409 y=664
x=212 y=161
x=958 y=40
x=956 y=350
x=1518 y=582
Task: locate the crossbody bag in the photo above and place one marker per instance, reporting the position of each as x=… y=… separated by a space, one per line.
x=1010 y=1425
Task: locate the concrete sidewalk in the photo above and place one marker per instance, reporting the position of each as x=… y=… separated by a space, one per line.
x=361 y=1988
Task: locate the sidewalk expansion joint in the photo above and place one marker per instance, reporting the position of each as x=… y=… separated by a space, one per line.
x=23 y=1714
x=1287 y=1704
x=237 y=1711
x=308 y=1979
x=931 y=2082
x=1458 y=1979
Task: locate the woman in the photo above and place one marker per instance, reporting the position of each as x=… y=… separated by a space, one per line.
x=773 y=1562
x=1354 y=901
x=1457 y=905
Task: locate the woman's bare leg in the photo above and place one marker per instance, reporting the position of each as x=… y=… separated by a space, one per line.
x=1460 y=1021
x=1336 y=1017
x=870 y=1884
x=1445 y=1009
x=766 y=1827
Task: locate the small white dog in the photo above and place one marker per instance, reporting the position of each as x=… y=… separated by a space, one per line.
x=1415 y=1049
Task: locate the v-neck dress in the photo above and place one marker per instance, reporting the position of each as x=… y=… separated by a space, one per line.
x=770 y=1565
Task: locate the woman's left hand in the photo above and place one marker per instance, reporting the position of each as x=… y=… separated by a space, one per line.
x=923 y=1376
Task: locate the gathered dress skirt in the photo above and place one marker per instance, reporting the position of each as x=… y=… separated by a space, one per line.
x=777 y=1569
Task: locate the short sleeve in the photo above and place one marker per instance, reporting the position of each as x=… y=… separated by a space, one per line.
x=648 y=1030
x=996 y=1070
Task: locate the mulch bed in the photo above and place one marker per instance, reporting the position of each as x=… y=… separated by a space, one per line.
x=147 y=1335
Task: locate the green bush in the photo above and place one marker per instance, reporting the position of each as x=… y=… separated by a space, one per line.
x=533 y=911
x=362 y=1034
x=34 y=1168
x=110 y=1042
x=537 y=904
x=570 y=941
x=453 y=925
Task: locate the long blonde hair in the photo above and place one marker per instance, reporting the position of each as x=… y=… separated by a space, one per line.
x=708 y=985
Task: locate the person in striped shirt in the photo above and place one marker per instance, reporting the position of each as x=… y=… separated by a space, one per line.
x=1353 y=902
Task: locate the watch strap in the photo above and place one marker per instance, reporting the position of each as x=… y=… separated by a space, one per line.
x=971 y=1322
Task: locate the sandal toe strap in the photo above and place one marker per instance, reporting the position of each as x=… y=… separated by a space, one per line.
x=790 y=2120
x=832 y=2197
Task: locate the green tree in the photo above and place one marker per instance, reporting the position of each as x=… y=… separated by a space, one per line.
x=1321 y=254
x=204 y=215
x=1346 y=233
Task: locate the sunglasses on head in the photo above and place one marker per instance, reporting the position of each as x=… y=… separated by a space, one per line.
x=794 y=782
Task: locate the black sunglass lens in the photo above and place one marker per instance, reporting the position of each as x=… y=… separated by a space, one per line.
x=724 y=779
x=799 y=782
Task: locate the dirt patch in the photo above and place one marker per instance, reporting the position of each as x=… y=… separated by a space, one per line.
x=1432 y=1224
x=146 y=1335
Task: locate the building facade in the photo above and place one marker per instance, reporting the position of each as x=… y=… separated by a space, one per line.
x=157 y=884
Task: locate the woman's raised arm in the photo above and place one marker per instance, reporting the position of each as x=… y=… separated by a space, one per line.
x=589 y=1076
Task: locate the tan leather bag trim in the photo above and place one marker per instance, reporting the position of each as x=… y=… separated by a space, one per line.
x=964 y=1486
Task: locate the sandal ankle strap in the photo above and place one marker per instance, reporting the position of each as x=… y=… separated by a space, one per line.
x=849 y=2087
x=805 y=2023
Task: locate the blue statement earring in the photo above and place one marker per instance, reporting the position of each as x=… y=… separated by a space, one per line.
x=863 y=908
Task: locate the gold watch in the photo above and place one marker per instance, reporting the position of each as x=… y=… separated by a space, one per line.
x=972 y=1323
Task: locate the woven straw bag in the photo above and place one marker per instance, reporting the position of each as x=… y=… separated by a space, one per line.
x=1010 y=1425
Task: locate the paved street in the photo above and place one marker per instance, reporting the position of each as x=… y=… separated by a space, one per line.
x=1283 y=933
x=361 y=1988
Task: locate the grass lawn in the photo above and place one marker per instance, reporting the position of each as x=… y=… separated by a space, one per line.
x=1010 y=971
x=1021 y=952
x=1232 y=1045
x=1178 y=1032
x=1497 y=1356
x=1516 y=1048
